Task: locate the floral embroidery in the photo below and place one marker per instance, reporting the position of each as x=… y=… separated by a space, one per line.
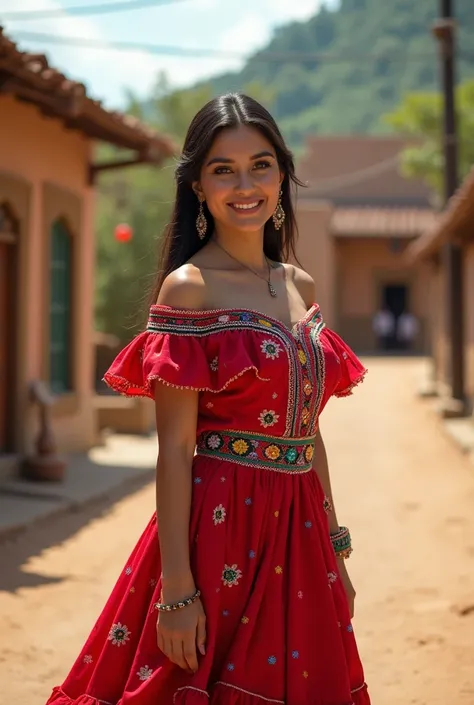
x=307 y=388
x=197 y=480
x=231 y=575
x=302 y=356
x=144 y=673
x=128 y=570
x=245 y=620
x=225 y=613
x=308 y=524
x=332 y=577
x=272 y=660
x=327 y=506
x=230 y=666
x=276 y=514
x=214 y=364
x=87 y=658
x=219 y=514
x=272 y=452
x=223 y=479
x=252 y=554
x=240 y=446
x=291 y=455
x=268 y=418
x=271 y=349
x=248 y=501
x=305 y=674
x=223 y=319
x=265 y=323
x=274 y=395
x=308 y=453
x=214 y=441
x=132 y=589
x=209 y=405
x=295 y=654
x=153 y=582
x=349 y=628
x=119 y=634
x=278 y=570
x=300 y=594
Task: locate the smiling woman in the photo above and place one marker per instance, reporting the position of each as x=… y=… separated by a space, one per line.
x=237 y=591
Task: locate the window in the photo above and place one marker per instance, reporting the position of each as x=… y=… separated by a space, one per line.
x=60 y=323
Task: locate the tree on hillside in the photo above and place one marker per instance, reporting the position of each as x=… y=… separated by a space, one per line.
x=142 y=197
x=420 y=116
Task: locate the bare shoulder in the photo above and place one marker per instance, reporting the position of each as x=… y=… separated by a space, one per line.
x=303 y=282
x=183 y=288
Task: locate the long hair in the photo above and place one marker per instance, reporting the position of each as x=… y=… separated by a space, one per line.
x=180 y=241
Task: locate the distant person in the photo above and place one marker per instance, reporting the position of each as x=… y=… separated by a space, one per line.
x=237 y=591
x=407 y=330
x=383 y=325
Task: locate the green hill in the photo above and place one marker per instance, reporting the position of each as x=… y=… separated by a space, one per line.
x=380 y=50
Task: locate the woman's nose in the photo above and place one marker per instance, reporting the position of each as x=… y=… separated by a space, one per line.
x=244 y=182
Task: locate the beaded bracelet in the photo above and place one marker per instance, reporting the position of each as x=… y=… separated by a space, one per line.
x=341 y=542
x=178 y=605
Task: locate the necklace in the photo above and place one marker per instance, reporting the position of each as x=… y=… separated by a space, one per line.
x=271 y=288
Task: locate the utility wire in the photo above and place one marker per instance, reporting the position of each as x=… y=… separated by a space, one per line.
x=187 y=52
x=100 y=9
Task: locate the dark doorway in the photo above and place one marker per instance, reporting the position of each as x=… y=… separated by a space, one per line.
x=395 y=299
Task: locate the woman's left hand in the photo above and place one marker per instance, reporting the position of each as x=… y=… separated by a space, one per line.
x=348 y=587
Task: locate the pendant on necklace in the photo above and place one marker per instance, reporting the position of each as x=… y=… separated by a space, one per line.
x=272 y=290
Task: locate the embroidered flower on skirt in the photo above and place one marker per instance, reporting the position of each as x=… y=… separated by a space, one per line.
x=231 y=575
x=119 y=634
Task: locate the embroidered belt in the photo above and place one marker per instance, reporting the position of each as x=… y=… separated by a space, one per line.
x=289 y=455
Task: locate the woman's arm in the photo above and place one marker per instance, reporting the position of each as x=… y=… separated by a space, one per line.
x=176 y=410
x=321 y=467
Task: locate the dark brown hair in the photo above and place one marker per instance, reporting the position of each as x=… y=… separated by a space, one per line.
x=180 y=240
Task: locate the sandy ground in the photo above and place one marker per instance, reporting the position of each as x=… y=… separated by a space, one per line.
x=406 y=492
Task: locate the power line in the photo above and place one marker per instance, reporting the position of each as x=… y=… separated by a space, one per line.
x=187 y=52
x=101 y=9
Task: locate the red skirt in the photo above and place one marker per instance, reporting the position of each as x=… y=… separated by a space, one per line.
x=278 y=625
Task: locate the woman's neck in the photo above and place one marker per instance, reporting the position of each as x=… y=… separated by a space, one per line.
x=246 y=248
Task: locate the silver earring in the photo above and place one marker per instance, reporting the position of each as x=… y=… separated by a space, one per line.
x=201 y=222
x=278 y=213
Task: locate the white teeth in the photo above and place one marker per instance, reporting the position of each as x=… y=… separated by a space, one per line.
x=245 y=206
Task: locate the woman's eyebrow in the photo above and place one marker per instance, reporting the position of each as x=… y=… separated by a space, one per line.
x=226 y=160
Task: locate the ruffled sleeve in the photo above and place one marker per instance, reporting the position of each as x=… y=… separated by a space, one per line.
x=182 y=351
x=349 y=371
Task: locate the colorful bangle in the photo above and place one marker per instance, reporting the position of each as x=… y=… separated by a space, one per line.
x=341 y=542
x=178 y=605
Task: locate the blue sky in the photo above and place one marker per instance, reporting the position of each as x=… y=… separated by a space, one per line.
x=231 y=25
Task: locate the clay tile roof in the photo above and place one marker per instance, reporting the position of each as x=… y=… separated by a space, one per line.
x=455 y=223
x=381 y=222
x=30 y=78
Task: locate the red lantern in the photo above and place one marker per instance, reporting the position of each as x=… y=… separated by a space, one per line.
x=123 y=232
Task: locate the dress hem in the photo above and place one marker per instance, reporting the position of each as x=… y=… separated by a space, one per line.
x=190 y=695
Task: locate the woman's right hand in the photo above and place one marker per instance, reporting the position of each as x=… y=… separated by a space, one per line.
x=181 y=633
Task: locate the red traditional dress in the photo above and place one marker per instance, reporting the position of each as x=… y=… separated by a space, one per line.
x=278 y=625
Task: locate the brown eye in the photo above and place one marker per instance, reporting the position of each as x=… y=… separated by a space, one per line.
x=222 y=170
x=262 y=165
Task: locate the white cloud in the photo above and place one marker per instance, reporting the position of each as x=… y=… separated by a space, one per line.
x=95 y=67
x=285 y=10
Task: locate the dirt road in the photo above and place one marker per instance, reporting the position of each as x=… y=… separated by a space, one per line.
x=406 y=493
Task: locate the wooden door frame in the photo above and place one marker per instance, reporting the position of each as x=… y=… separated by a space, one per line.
x=12 y=244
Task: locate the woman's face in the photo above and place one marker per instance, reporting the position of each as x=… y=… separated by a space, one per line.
x=240 y=179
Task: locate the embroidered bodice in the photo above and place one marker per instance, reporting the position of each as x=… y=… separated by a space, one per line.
x=253 y=373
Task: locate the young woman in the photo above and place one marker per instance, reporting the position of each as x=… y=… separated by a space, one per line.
x=237 y=592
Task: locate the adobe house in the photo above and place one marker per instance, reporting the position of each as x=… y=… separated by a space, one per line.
x=48 y=129
x=451 y=339
x=356 y=219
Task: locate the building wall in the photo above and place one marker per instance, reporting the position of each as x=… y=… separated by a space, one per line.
x=315 y=252
x=43 y=176
x=469 y=321
x=363 y=267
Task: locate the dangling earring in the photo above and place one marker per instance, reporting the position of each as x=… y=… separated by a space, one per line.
x=278 y=214
x=201 y=222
